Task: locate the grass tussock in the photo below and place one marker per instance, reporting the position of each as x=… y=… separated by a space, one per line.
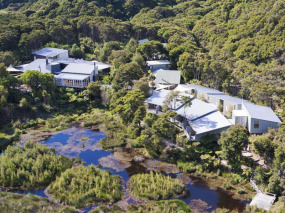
x=155 y=186
x=82 y=186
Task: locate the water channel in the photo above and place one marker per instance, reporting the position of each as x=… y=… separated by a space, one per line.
x=83 y=143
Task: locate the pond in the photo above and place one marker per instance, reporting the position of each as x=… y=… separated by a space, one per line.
x=83 y=143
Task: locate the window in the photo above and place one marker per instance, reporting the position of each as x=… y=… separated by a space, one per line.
x=256 y=124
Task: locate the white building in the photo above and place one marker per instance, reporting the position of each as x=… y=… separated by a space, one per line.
x=203 y=117
x=158 y=64
x=69 y=72
x=76 y=75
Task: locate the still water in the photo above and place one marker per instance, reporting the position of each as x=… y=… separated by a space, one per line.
x=83 y=143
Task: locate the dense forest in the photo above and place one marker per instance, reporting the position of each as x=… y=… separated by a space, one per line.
x=236 y=46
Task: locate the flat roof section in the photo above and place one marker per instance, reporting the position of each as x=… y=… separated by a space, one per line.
x=168 y=77
x=197 y=109
x=49 y=52
x=79 y=68
x=67 y=76
x=158 y=62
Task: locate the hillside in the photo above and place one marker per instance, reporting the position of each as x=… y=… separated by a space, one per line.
x=236 y=46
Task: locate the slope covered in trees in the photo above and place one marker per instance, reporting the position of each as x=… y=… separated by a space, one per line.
x=236 y=46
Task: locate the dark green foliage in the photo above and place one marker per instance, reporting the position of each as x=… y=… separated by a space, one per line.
x=232 y=143
x=31 y=166
x=155 y=186
x=82 y=186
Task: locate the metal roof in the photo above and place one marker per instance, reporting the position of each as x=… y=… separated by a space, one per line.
x=261 y=112
x=68 y=76
x=79 y=68
x=228 y=98
x=158 y=62
x=168 y=77
x=101 y=65
x=197 y=109
x=49 y=52
x=158 y=97
x=210 y=122
x=38 y=64
x=12 y=69
x=143 y=41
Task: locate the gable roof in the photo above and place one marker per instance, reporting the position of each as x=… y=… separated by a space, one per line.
x=79 y=68
x=49 y=52
x=158 y=97
x=197 y=109
x=261 y=112
x=157 y=62
x=167 y=77
x=71 y=76
x=38 y=64
x=143 y=41
x=210 y=122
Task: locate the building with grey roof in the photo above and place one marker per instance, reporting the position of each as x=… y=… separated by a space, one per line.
x=203 y=117
x=167 y=77
x=143 y=41
x=158 y=64
x=51 y=53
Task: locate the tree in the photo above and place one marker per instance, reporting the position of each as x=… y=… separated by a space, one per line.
x=24 y=104
x=151 y=50
x=186 y=101
x=143 y=85
x=38 y=82
x=127 y=105
x=3 y=71
x=232 y=142
x=93 y=91
x=171 y=99
x=125 y=75
x=264 y=146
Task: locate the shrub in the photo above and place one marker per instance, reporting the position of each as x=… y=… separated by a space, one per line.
x=83 y=186
x=187 y=167
x=155 y=186
x=33 y=165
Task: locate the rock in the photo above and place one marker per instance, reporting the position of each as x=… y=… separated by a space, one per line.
x=139 y=159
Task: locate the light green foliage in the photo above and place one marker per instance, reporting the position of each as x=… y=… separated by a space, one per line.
x=155 y=186
x=82 y=186
x=31 y=166
x=127 y=105
x=161 y=206
x=154 y=207
x=232 y=142
x=125 y=75
x=10 y=202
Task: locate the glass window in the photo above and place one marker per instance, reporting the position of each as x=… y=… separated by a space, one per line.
x=256 y=124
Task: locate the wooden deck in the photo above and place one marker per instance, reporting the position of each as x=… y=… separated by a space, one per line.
x=261 y=199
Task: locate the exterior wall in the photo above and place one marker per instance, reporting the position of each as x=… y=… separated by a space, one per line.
x=214 y=100
x=214 y=132
x=241 y=120
x=160 y=66
x=263 y=126
x=54 y=68
x=63 y=55
x=200 y=94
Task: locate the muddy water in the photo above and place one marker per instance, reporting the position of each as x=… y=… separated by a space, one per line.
x=83 y=143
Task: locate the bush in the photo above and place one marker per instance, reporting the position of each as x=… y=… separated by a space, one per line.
x=241 y=191
x=33 y=165
x=187 y=167
x=83 y=186
x=155 y=186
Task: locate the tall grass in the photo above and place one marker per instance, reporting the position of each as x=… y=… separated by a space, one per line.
x=82 y=186
x=155 y=186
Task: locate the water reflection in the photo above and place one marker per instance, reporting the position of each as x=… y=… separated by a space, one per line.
x=76 y=142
